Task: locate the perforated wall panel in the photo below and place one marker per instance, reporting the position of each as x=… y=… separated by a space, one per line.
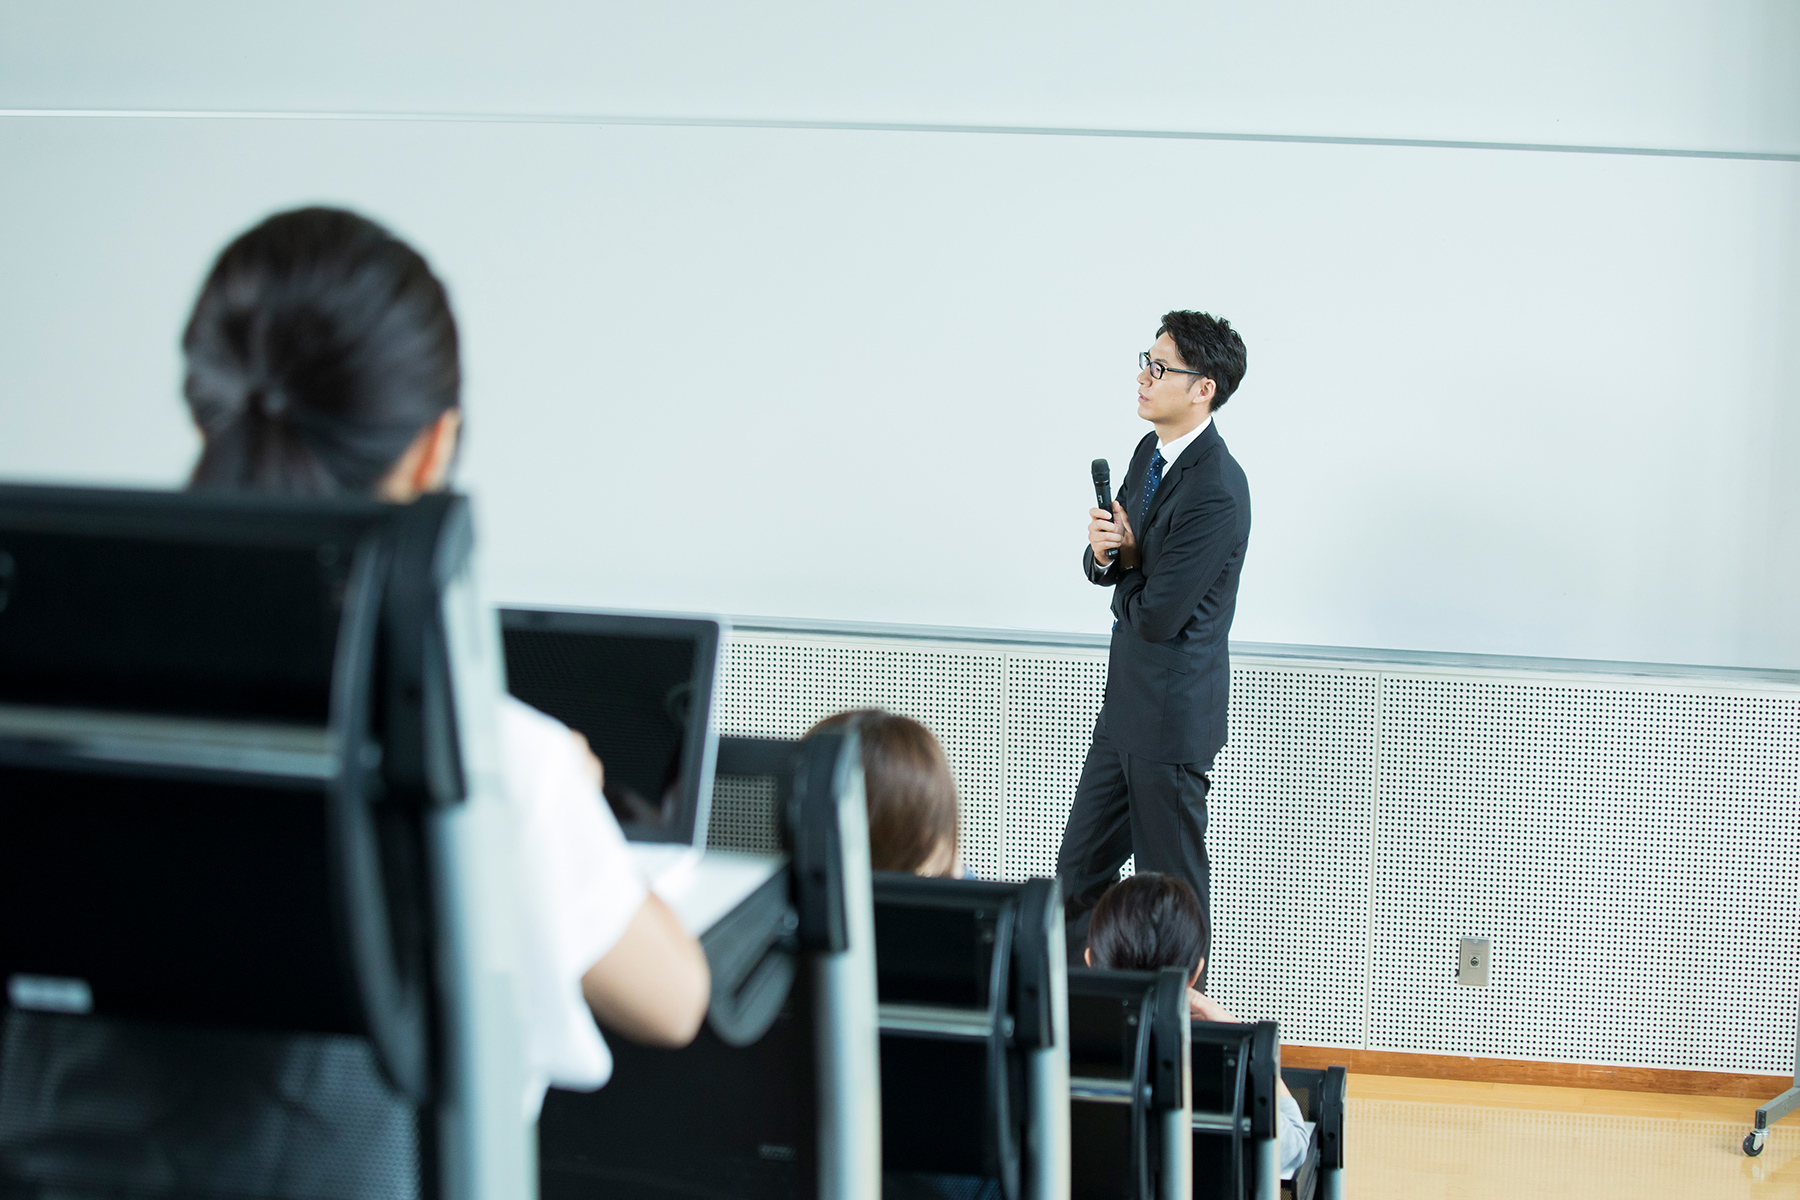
x=1630 y=851
x=1290 y=897
x=1288 y=822
x=743 y=815
x=778 y=686
x=1051 y=703
x=1631 y=844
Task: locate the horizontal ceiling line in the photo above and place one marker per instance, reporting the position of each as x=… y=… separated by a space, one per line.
x=902 y=127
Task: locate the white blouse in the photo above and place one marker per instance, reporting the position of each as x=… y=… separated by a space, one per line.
x=580 y=890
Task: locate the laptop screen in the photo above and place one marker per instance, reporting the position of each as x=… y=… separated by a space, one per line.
x=640 y=689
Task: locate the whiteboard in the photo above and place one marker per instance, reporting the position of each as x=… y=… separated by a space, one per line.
x=1693 y=74
x=1500 y=402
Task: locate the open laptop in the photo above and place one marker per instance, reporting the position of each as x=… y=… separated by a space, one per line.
x=640 y=689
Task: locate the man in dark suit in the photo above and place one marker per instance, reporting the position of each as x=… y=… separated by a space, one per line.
x=1171 y=550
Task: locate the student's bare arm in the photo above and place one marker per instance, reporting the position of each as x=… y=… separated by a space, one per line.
x=653 y=986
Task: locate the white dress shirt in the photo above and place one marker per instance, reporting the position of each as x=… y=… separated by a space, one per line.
x=1172 y=450
x=1295 y=1133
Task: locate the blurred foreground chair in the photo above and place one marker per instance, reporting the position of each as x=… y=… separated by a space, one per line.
x=255 y=869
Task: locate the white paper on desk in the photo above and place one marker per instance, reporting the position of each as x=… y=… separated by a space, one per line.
x=702 y=888
x=673 y=880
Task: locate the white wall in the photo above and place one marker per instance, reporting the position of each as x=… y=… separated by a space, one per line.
x=1695 y=74
x=1498 y=401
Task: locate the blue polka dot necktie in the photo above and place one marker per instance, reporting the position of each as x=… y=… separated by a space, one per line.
x=1152 y=481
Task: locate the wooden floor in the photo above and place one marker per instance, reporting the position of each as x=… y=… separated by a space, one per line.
x=1410 y=1139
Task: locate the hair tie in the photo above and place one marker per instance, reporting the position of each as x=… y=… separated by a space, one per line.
x=271 y=402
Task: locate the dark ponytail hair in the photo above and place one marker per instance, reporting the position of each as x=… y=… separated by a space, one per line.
x=1145 y=923
x=321 y=345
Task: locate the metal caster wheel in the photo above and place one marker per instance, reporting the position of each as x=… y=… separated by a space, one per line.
x=1754 y=1142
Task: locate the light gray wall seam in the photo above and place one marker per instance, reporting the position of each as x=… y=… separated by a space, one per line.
x=1301 y=139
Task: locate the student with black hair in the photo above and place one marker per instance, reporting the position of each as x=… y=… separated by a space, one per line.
x=1148 y=921
x=322 y=359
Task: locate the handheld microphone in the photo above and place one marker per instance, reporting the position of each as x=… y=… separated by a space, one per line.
x=1102 y=486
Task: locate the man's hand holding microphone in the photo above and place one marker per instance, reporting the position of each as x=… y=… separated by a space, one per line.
x=1109 y=528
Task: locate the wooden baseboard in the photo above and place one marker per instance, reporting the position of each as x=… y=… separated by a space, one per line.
x=1548 y=1074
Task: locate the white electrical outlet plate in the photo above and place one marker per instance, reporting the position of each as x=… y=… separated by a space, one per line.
x=1472 y=963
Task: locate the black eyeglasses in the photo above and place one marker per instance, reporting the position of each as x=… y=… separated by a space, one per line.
x=1156 y=369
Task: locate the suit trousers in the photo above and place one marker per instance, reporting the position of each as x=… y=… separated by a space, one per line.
x=1126 y=804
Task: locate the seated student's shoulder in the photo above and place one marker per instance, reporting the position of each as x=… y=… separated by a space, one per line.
x=536 y=748
x=549 y=776
x=522 y=724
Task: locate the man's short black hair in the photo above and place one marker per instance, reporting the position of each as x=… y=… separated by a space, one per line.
x=1147 y=922
x=1210 y=346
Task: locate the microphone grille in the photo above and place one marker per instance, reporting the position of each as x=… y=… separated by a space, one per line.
x=1102 y=472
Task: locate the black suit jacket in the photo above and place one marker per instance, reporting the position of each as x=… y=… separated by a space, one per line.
x=1168 y=680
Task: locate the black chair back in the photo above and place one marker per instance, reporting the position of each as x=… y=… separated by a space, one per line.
x=966 y=980
x=223 y=724
x=1128 y=1084
x=1322 y=1097
x=1235 y=1067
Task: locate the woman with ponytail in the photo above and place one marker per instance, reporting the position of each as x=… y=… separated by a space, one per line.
x=322 y=360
